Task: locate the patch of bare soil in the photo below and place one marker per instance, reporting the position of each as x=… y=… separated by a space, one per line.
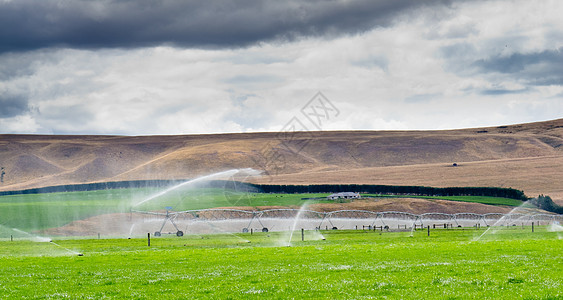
x=412 y=205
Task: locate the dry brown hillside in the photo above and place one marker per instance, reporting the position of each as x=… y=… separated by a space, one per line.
x=525 y=156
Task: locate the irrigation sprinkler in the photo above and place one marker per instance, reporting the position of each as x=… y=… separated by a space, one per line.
x=275 y=219
x=169 y=217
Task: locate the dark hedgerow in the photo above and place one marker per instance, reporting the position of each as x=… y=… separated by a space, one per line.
x=295 y=189
x=394 y=190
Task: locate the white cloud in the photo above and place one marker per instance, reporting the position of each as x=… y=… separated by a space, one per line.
x=22 y=123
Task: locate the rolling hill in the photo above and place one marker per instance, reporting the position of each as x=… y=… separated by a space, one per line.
x=524 y=156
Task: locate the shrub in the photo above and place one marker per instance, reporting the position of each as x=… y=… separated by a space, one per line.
x=546 y=203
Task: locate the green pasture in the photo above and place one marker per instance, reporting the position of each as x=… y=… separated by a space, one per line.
x=511 y=263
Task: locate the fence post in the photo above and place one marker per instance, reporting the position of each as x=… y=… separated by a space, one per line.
x=302 y=234
x=149 y=239
x=428 y=230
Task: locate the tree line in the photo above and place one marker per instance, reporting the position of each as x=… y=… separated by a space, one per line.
x=290 y=189
x=394 y=190
x=94 y=187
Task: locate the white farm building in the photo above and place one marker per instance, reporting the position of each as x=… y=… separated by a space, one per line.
x=343 y=195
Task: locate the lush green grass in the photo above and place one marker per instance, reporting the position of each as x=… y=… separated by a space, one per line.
x=475 y=199
x=509 y=264
x=210 y=198
x=37 y=211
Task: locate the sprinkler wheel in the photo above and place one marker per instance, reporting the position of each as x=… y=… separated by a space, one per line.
x=157 y=233
x=180 y=233
x=264 y=229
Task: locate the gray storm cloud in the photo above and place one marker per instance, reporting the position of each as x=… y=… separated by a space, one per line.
x=537 y=68
x=12 y=105
x=31 y=24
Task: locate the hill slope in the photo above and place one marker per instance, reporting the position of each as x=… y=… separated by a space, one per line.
x=524 y=156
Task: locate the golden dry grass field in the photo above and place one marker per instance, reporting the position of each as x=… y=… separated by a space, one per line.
x=524 y=156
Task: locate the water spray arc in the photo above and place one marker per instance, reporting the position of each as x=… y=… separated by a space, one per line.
x=170 y=216
x=297 y=217
x=41 y=239
x=188 y=183
x=502 y=221
x=34 y=238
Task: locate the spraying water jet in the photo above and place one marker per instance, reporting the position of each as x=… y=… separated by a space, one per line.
x=171 y=217
x=502 y=221
x=188 y=183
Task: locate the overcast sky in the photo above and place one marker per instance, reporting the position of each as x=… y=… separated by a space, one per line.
x=139 y=67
